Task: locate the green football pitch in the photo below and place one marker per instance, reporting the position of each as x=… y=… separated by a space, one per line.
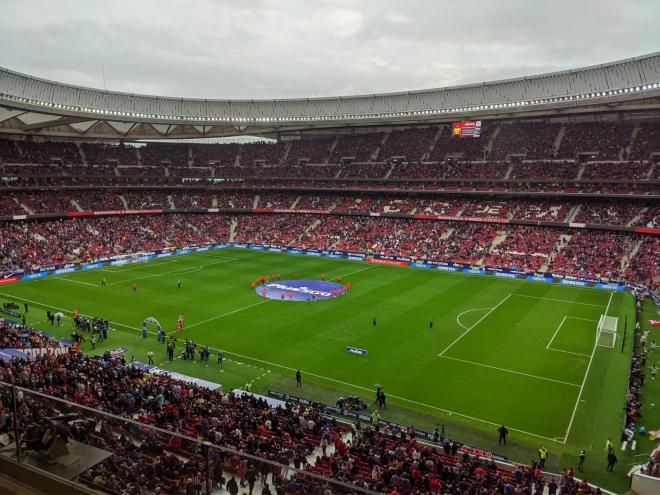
x=501 y=351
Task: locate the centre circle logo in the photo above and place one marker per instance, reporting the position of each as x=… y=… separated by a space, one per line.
x=300 y=290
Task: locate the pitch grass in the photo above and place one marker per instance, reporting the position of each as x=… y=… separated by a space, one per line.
x=501 y=351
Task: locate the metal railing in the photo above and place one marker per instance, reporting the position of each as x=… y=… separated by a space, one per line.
x=43 y=430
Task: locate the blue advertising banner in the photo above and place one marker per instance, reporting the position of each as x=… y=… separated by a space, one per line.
x=417 y=264
x=446 y=268
x=505 y=274
x=92 y=266
x=30 y=276
x=123 y=261
x=539 y=278
x=66 y=270
x=610 y=286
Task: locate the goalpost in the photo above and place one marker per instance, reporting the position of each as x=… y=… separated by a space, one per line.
x=607 y=326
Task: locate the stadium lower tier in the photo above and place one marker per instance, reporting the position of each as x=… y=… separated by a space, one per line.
x=31 y=245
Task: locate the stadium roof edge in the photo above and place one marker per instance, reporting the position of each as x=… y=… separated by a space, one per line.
x=32 y=105
x=350 y=96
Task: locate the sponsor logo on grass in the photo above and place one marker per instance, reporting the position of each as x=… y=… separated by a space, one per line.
x=355 y=350
x=300 y=290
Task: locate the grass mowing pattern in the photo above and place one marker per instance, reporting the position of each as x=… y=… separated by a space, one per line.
x=501 y=351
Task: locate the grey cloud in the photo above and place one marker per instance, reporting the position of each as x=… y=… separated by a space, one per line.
x=297 y=48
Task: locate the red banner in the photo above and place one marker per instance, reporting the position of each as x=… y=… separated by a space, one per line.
x=369 y=259
x=8 y=280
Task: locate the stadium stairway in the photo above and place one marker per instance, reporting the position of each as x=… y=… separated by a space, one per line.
x=563 y=240
x=573 y=213
x=76 y=205
x=558 y=139
x=630 y=254
x=635 y=220
x=625 y=152
x=492 y=140
x=232 y=228
x=82 y=154
x=499 y=239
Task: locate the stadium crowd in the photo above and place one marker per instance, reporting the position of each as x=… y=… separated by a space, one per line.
x=31 y=246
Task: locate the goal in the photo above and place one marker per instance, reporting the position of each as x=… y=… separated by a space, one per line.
x=607 y=326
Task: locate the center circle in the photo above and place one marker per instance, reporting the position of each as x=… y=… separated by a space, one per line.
x=300 y=290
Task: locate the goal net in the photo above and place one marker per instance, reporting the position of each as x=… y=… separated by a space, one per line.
x=607 y=326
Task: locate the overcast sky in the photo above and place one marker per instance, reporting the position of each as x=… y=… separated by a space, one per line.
x=290 y=48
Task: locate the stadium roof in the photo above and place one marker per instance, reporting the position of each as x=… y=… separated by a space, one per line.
x=29 y=105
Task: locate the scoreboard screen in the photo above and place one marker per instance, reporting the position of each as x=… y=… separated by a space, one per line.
x=466 y=129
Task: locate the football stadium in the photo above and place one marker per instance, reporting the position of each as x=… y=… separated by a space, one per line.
x=434 y=291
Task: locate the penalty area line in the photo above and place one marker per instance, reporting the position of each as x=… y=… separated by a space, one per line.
x=586 y=374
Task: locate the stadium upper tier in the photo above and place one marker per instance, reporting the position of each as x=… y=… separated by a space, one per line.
x=32 y=105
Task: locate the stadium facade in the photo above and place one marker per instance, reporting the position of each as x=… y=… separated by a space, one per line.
x=31 y=105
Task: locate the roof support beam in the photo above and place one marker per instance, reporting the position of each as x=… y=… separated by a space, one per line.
x=37 y=126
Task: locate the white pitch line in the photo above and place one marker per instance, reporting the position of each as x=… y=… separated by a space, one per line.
x=558 y=300
x=505 y=370
x=360 y=270
x=227 y=314
x=127 y=267
x=73 y=281
x=586 y=374
x=43 y=305
x=567 y=352
x=465 y=312
x=180 y=270
x=556 y=332
x=469 y=329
